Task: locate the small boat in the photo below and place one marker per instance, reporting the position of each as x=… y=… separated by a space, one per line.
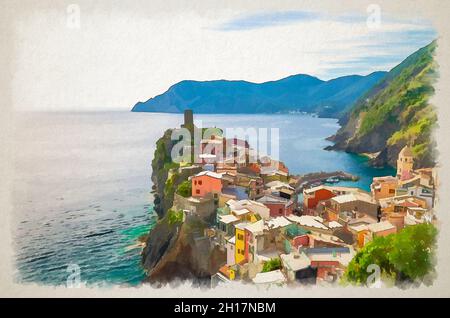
x=332 y=180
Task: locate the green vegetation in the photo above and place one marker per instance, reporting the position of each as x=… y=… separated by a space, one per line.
x=185 y=189
x=169 y=188
x=398 y=106
x=165 y=174
x=174 y=216
x=209 y=131
x=405 y=256
x=171 y=165
x=404 y=91
x=271 y=265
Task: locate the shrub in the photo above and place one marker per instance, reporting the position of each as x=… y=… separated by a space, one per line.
x=175 y=216
x=185 y=189
x=271 y=265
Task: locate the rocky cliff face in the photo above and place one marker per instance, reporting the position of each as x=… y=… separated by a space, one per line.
x=393 y=113
x=175 y=249
x=180 y=251
x=161 y=165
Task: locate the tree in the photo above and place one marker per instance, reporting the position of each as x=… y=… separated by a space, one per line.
x=405 y=256
x=412 y=252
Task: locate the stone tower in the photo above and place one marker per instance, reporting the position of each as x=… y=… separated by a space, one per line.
x=188 y=118
x=405 y=163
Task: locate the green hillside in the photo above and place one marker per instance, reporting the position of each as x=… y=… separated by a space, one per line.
x=396 y=112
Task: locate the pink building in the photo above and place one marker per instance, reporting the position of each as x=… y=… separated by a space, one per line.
x=278 y=206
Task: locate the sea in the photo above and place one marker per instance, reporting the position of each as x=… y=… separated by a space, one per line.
x=82 y=188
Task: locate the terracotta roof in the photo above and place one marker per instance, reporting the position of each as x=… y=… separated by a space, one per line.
x=408 y=204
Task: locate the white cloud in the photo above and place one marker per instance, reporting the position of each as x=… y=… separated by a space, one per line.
x=117 y=59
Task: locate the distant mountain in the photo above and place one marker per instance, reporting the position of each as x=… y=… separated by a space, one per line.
x=395 y=112
x=300 y=92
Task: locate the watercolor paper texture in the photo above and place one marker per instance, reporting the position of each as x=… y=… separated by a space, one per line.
x=170 y=148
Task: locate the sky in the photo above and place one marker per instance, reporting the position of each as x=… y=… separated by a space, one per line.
x=84 y=58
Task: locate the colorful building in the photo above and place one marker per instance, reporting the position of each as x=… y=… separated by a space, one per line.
x=312 y=197
x=354 y=202
x=329 y=263
x=254 y=241
x=315 y=195
x=383 y=187
x=415 y=188
x=231 y=253
x=206 y=182
x=278 y=206
x=255 y=207
x=297 y=267
x=240 y=243
x=383 y=228
x=405 y=163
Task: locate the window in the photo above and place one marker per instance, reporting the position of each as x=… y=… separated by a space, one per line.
x=197 y=191
x=240 y=237
x=280 y=211
x=391 y=191
x=242 y=252
x=195 y=182
x=199 y=182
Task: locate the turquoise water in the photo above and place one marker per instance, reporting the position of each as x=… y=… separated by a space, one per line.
x=302 y=140
x=82 y=181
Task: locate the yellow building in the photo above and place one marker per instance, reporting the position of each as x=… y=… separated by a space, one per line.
x=405 y=163
x=240 y=242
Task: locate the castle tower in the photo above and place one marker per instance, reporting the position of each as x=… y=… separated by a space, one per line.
x=188 y=118
x=405 y=163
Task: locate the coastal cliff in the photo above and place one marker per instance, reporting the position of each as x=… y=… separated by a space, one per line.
x=161 y=166
x=180 y=251
x=175 y=247
x=395 y=112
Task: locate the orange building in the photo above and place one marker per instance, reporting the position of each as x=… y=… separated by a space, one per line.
x=206 y=182
x=311 y=197
x=383 y=187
